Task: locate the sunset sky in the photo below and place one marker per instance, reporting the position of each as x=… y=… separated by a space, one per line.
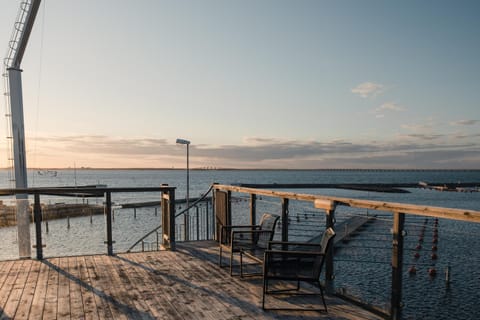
x=252 y=84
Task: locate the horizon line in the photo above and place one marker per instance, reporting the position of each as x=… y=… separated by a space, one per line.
x=252 y=169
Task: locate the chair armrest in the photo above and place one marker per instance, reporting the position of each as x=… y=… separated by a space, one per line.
x=252 y=231
x=247 y=239
x=249 y=232
x=294 y=253
x=225 y=231
x=240 y=226
x=293 y=244
x=296 y=243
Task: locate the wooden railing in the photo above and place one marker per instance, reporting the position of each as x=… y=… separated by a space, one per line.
x=329 y=205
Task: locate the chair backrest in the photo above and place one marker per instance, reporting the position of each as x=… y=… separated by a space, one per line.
x=268 y=222
x=327 y=239
x=326 y=242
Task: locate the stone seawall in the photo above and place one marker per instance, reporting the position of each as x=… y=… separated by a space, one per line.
x=50 y=212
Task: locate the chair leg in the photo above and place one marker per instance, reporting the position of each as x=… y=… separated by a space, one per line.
x=323 y=298
x=220 y=257
x=231 y=262
x=241 y=264
x=265 y=288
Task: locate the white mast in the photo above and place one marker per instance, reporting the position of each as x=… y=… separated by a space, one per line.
x=17 y=45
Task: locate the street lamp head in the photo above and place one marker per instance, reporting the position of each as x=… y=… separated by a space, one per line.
x=183 y=141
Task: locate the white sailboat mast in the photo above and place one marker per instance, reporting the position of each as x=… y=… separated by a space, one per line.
x=18 y=43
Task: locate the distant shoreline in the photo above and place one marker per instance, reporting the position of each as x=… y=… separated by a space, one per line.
x=254 y=169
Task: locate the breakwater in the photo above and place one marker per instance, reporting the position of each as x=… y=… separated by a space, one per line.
x=373 y=187
x=50 y=212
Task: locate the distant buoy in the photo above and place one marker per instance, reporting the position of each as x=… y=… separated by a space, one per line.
x=432 y=272
x=412 y=270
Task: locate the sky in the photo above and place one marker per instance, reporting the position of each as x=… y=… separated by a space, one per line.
x=272 y=84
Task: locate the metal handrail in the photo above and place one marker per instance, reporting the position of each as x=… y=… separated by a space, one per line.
x=192 y=205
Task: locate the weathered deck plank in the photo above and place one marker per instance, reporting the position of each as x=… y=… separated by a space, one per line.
x=92 y=305
x=23 y=310
x=186 y=284
x=136 y=284
x=4 y=271
x=51 y=298
x=75 y=292
x=63 y=300
x=38 y=301
x=13 y=301
x=98 y=305
x=101 y=287
x=153 y=279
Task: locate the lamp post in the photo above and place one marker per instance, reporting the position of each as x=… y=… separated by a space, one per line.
x=187 y=143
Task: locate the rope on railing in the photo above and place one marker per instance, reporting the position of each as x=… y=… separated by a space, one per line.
x=193 y=204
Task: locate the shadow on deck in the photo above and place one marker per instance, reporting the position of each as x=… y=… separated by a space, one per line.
x=185 y=284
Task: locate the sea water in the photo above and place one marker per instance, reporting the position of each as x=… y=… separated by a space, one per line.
x=362 y=266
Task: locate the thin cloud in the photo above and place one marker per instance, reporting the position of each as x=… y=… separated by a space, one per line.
x=466 y=136
x=422 y=136
x=368 y=89
x=387 y=107
x=464 y=122
x=425 y=126
x=258 y=152
x=390 y=106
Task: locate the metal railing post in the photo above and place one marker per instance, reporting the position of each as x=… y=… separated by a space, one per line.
x=397 y=261
x=253 y=209
x=197 y=218
x=37 y=216
x=207 y=226
x=171 y=211
x=108 y=211
x=229 y=206
x=329 y=267
x=285 y=219
x=186 y=225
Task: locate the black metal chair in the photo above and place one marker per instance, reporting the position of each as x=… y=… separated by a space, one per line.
x=296 y=262
x=236 y=238
x=259 y=240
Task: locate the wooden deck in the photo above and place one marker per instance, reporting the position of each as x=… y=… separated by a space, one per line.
x=186 y=284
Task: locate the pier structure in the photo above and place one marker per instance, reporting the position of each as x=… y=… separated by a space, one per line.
x=182 y=279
